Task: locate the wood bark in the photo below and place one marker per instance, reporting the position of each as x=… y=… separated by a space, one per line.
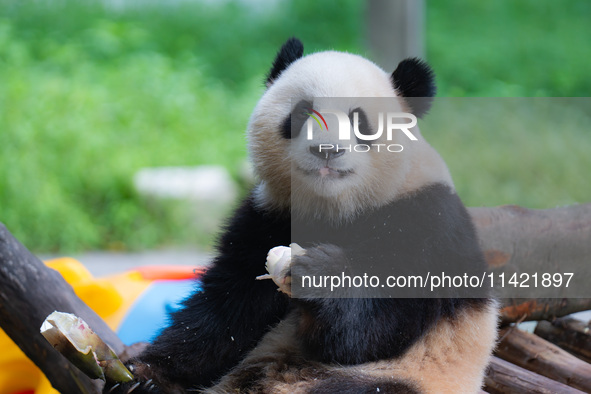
x=540 y=238
x=502 y=377
x=570 y=334
x=29 y=292
x=516 y=239
x=524 y=309
x=542 y=357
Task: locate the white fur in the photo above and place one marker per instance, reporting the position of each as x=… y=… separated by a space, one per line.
x=450 y=359
x=290 y=173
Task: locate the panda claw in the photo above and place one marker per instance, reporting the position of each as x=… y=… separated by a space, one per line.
x=135 y=386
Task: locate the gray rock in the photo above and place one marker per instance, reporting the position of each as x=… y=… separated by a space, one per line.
x=203 y=183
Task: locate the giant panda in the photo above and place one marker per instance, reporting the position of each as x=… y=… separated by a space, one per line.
x=240 y=334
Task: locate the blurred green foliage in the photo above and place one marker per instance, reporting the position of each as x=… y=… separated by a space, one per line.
x=510 y=48
x=532 y=152
x=91 y=93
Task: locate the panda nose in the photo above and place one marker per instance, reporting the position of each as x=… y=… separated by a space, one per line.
x=326 y=153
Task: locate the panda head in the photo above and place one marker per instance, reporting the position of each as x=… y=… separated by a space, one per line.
x=329 y=183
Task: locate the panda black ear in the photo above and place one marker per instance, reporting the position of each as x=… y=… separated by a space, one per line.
x=414 y=80
x=292 y=50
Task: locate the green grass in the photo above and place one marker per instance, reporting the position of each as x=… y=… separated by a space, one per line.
x=523 y=151
x=510 y=48
x=88 y=95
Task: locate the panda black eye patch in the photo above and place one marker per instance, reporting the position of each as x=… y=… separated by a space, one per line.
x=293 y=123
x=363 y=124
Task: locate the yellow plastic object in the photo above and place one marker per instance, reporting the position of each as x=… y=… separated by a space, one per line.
x=110 y=297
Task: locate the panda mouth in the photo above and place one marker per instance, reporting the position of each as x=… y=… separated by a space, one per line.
x=327 y=171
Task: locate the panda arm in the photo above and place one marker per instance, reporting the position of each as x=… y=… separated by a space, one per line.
x=357 y=330
x=431 y=229
x=221 y=323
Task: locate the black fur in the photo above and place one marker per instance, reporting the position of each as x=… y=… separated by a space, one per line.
x=292 y=50
x=363 y=124
x=351 y=385
x=414 y=80
x=293 y=123
x=427 y=230
x=220 y=324
x=198 y=347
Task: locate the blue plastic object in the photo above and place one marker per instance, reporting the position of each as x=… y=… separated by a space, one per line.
x=149 y=314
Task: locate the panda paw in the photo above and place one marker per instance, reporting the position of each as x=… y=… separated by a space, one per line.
x=322 y=259
x=144 y=382
x=279 y=265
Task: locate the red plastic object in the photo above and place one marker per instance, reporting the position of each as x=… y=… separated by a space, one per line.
x=169 y=272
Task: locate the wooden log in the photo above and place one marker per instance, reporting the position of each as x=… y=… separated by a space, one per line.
x=570 y=334
x=29 y=292
x=516 y=239
x=525 y=309
x=511 y=234
x=503 y=377
x=542 y=357
x=520 y=240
